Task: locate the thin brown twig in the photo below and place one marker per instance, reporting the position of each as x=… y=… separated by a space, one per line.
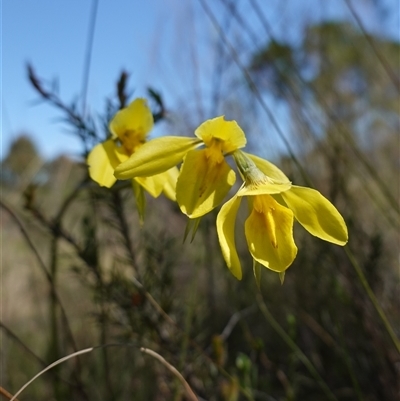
x=83 y=130
x=6 y=394
x=317 y=329
x=11 y=334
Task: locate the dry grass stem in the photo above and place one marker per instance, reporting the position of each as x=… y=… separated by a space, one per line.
x=192 y=396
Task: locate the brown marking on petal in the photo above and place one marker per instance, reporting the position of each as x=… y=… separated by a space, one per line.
x=131 y=139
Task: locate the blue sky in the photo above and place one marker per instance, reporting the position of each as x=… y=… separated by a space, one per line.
x=166 y=44
x=52 y=35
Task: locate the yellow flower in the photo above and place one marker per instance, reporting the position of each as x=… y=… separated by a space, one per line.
x=205 y=177
x=273 y=204
x=129 y=128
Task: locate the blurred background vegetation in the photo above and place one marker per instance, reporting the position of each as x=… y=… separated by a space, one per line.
x=79 y=271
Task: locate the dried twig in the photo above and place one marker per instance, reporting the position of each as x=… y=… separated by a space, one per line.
x=6 y=394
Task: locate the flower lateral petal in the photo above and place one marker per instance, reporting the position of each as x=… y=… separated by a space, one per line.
x=102 y=161
x=170 y=179
x=203 y=183
x=316 y=214
x=269 y=233
x=226 y=235
x=154 y=185
x=156 y=156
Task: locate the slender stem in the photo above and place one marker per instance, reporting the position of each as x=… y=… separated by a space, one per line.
x=88 y=55
x=11 y=334
x=390 y=73
x=295 y=348
x=348 y=363
x=189 y=311
x=104 y=354
x=372 y=297
x=120 y=213
x=54 y=344
x=95 y=266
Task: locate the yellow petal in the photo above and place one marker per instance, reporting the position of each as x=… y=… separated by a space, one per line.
x=121 y=154
x=156 y=156
x=269 y=169
x=226 y=234
x=170 y=176
x=102 y=161
x=316 y=214
x=269 y=233
x=153 y=185
x=136 y=118
x=203 y=183
x=229 y=132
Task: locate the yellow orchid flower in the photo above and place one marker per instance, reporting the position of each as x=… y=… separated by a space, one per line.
x=273 y=204
x=205 y=177
x=129 y=128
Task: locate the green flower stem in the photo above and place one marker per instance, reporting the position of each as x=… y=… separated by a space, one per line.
x=247 y=167
x=300 y=354
x=347 y=361
x=189 y=311
x=372 y=297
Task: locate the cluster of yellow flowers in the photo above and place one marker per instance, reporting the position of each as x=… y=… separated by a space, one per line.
x=205 y=179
